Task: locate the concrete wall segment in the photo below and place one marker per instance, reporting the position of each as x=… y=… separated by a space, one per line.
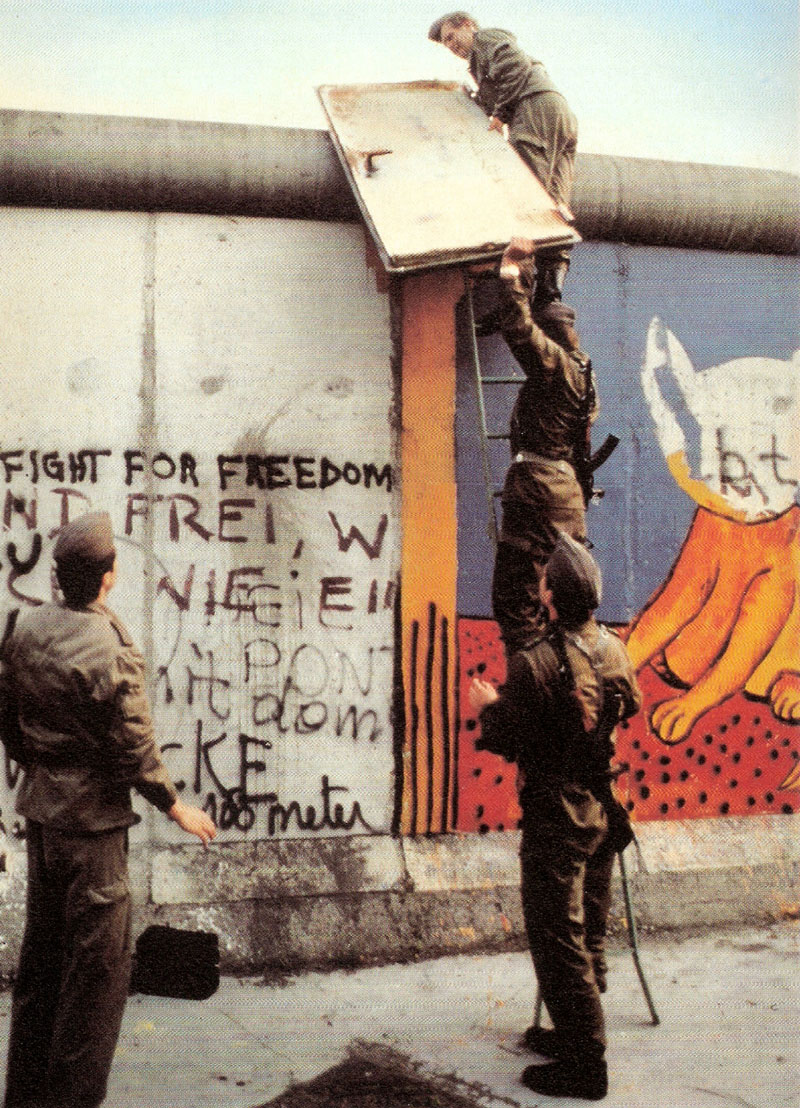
x=695 y=356
x=461 y=892
x=167 y=336
x=282 y=870
x=700 y=844
x=442 y=862
x=248 y=469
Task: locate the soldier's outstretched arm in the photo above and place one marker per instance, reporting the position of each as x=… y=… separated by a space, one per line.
x=519 y=328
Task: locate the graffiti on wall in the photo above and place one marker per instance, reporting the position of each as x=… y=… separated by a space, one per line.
x=717 y=647
x=263 y=587
x=431 y=781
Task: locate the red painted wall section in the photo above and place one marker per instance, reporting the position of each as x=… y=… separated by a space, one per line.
x=737 y=760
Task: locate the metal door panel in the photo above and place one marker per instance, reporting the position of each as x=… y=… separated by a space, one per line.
x=435 y=185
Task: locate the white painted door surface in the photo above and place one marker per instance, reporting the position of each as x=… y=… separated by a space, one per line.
x=434 y=184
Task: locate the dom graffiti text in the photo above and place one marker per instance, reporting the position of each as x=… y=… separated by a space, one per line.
x=303 y=692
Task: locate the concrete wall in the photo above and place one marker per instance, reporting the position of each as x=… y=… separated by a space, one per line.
x=721 y=307
x=229 y=389
x=224 y=388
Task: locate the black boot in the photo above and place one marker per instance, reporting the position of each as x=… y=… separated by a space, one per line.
x=551 y=273
x=585 y=1078
x=544 y=1041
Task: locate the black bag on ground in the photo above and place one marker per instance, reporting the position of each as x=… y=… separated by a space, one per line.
x=171 y=962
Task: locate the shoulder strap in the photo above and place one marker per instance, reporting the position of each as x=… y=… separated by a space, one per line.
x=582 y=443
x=119 y=628
x=555 y=636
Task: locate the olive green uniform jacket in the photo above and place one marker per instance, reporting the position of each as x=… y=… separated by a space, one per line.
x=85 y=729
x=517 y=90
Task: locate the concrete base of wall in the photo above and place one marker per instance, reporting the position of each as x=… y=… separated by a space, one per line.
x=282 y=906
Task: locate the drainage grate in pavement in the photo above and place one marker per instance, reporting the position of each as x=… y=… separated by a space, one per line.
x=374 y=1076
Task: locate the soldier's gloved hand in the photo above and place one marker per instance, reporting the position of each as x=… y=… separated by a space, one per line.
x=194 y=820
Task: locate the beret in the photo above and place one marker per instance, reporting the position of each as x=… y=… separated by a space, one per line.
x=573 y=576
x=88 y=536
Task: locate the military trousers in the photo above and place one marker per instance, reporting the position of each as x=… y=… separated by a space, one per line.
x=72 y=983
x=544 y=132
x=566 y=880
x=540 y=499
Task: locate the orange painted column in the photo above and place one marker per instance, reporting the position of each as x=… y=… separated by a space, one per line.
x=429 y=551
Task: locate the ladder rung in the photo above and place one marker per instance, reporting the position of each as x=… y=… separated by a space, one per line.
x=502 y=380
x=498 y=435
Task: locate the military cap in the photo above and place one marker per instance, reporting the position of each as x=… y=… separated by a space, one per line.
x=573 y=577
x=89 y=536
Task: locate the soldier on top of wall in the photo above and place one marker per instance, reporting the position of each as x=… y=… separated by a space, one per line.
x=548 y=483
x=514 y=89
x=74 y=713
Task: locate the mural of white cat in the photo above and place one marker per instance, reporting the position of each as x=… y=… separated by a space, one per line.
x=727 y=618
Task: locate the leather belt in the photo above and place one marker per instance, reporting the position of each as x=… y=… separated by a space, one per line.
x=558 y=463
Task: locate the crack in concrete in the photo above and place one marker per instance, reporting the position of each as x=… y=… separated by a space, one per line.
x=731 y=1098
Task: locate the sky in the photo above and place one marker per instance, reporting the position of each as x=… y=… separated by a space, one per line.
x=714 y=81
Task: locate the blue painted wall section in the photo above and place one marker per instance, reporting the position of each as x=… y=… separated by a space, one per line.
x=721 y=306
